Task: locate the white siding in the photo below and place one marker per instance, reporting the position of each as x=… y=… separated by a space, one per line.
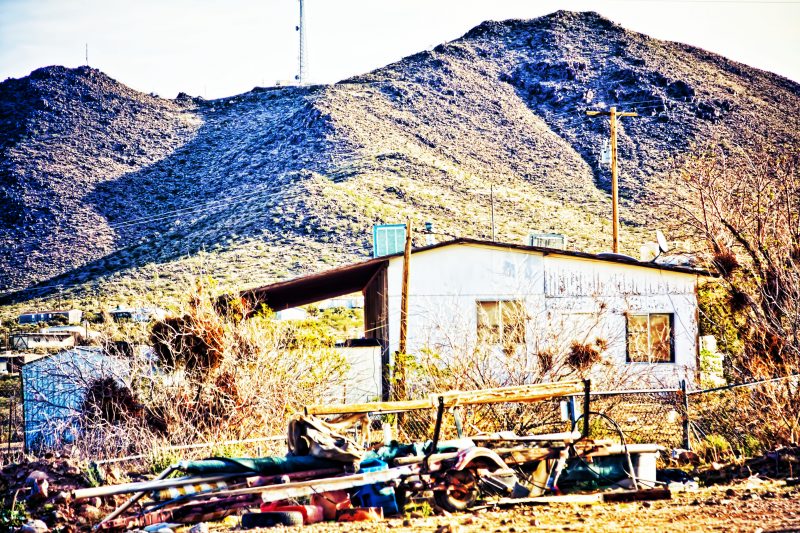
x=566 y=298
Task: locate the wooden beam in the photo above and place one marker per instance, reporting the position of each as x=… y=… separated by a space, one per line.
x=637 y=495
x=519 y=394
x=374 y=407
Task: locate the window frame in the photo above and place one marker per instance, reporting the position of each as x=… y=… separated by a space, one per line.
x=672 y=354
x=522 y=326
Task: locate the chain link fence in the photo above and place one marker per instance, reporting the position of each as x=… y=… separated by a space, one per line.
x=11 y=416
x=745 y=419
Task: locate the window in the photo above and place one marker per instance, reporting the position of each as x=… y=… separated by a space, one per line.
x=650 y=338
x=502 y=322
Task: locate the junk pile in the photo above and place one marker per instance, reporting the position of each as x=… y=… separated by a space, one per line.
x=780 y=463
x=328 y=475
x=40 y=483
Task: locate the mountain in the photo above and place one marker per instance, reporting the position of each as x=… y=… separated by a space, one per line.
x=103 y=186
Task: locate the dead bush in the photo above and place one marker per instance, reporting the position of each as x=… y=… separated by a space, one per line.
x=582 y=356
x=212 y=377
x=725 y=261
x=110 y=401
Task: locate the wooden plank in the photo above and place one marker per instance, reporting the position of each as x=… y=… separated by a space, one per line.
x=374 y=407
x=567 y=436
x=548 y=500
x=520 y=394
x=637 y=495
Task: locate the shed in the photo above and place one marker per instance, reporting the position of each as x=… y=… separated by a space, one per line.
x=43 y=340
x=54 y=389
x=72 y=316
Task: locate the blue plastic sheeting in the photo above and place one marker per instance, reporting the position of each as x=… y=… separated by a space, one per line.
x=54 y=388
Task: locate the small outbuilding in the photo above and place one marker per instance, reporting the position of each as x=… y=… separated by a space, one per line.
x=43 y=340
x=71 y=316
x=54 y=389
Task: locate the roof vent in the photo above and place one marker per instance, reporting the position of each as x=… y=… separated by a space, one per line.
x=548 y=240
x=388 y=239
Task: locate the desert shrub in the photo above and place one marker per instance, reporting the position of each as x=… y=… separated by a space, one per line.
x=582 y=356
x=751 y=419
x=714 y=448
x=212 y=377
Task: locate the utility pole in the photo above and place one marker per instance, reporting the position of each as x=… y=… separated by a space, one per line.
x=301 y=28
x=404 y=296
x=399 y=385
x=614 y=116
x=491 y=200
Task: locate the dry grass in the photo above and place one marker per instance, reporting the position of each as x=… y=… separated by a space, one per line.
x=211 y=378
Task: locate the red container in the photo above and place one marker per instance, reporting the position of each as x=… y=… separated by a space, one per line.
x=331 y=502
x=311 y=513
x=360 y=514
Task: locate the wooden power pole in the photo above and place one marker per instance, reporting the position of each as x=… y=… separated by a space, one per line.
x=404 y=295
x=399 y=378
x=614 y=116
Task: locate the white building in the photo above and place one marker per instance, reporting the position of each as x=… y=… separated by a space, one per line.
x=518 y=303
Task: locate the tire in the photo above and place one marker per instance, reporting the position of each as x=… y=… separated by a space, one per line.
x=401 y=498
x=271 y=519
x=461 y=491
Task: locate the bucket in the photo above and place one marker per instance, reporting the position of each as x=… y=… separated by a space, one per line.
x=377 y=494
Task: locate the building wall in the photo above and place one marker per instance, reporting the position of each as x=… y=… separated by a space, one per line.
x=32 y=341
x=73 y=316
x=566 y=299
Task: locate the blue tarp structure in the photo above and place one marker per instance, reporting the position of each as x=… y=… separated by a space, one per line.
x=54 y=388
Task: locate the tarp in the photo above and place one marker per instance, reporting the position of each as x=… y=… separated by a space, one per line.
x=312 y=436
x=265 y=466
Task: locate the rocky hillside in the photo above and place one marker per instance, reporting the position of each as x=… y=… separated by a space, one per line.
x=102 y=185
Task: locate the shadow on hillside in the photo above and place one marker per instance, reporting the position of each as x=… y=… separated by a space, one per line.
x=561 y=91
x=249 y=149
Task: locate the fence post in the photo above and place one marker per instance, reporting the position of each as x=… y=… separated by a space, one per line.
x=686 y=443
x=587 y=384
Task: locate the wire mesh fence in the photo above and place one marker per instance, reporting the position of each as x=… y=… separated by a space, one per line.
x=738 y=418
x=745 y=418
x=655 y=417
x=11 y=418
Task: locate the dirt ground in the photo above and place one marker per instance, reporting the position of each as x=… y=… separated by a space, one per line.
x=762 y=507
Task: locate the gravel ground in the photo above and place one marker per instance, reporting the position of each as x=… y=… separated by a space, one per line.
x=762 y=507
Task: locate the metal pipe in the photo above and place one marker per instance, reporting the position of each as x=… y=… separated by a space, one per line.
x=587 y=386
x=133 y=499
x=149 y=486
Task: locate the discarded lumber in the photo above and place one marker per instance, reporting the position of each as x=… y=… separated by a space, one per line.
x=567 y=436
x=637 y=495
x=547 y=500
x=518 y=394
x=147 y=486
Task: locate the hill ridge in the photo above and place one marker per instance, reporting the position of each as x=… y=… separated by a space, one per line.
x=284 y=180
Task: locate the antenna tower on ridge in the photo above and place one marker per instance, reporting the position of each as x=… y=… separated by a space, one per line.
x=301 y=29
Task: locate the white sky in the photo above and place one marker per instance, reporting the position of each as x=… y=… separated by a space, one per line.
x=220 y=48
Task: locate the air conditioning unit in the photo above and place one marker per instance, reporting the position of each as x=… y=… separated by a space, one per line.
x=557 y=241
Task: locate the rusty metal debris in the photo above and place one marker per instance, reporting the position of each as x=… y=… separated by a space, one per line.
x=331 y=473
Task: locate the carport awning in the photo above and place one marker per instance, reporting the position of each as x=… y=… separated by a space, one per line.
x=316 y=287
